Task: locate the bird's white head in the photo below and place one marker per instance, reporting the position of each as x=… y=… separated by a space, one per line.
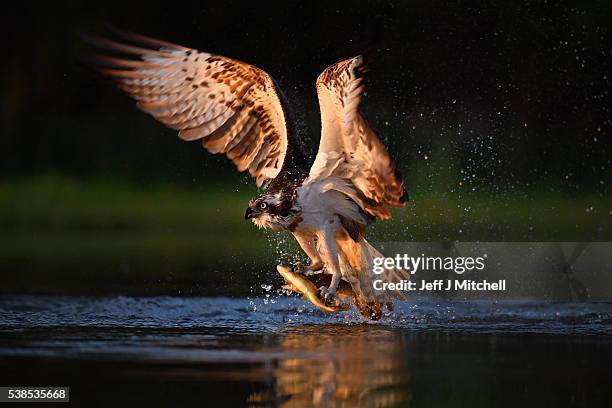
x=270 y=211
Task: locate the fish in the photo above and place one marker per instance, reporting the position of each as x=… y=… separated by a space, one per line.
x=300 y=283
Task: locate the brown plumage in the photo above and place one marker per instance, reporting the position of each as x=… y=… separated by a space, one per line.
x=234 y=108
x=237 y=109
x=350 y=148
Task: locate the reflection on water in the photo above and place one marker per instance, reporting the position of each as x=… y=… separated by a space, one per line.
x=160 y=352
x=350 y=366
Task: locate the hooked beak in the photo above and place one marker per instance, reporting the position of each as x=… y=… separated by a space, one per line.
x=249 y=213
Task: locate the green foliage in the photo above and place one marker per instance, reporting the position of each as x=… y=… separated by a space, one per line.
x=60 y=234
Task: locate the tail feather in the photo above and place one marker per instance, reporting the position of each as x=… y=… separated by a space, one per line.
x=389 y=275
x=357 y=267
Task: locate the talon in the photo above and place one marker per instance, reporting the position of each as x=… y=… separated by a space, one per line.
x=330 y=296
x=316 y=267
x=309 y=270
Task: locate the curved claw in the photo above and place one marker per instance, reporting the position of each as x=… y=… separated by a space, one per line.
x=330 y=296
x=308 y=270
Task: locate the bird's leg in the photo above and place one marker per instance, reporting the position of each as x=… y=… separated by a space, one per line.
x=329 y=252
x=308 y=245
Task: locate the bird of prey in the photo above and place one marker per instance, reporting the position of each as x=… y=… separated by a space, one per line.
x=237 y=109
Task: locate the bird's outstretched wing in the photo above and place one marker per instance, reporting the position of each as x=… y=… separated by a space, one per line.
x=232 y=107
x=351 y=155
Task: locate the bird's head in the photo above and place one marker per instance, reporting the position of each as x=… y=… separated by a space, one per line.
x=267 y=211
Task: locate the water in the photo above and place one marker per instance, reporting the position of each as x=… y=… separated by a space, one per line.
x=162 y=351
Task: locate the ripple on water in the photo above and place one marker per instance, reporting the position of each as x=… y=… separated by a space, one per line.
x=263 y=315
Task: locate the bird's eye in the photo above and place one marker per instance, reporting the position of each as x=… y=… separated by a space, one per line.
x=263 y=205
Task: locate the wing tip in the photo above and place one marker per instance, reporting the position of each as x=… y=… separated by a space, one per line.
x=143 y=39
x=405 y=197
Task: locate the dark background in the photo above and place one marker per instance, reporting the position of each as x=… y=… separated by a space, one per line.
x=497 y=113
x=518 y=90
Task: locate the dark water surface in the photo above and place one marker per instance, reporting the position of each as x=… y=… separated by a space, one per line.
x=164 y=351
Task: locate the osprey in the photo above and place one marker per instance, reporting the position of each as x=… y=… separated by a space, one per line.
x=237 y=109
